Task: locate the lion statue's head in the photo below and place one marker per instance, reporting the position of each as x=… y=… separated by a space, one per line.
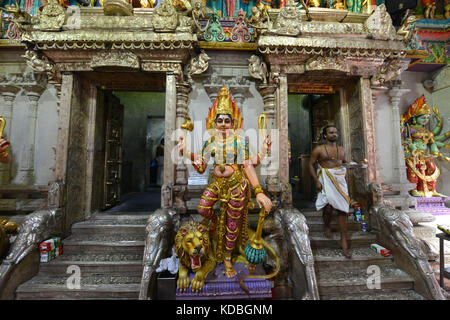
x=192 y=245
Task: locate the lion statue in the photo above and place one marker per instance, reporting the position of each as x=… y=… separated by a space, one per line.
x=193 y=248
x=197 y=65
x=257 y=68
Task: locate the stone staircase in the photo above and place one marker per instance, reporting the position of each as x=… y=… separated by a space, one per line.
x=339 y=278
x=107 y=248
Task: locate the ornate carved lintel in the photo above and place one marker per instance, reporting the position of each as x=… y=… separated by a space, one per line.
x=121 y=59
x=365 y=67
x=327 y=63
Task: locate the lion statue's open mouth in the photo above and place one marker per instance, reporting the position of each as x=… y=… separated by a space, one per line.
x=196 y=262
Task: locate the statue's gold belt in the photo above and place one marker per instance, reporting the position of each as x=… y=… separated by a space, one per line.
x=229 y=182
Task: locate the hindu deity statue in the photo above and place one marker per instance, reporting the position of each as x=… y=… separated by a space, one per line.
x=232 y=178
x=314 y=3
x=421 y=147
x=429 y=8
x=354 y=5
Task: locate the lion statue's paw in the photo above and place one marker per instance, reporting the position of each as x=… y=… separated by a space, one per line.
x=183 y=281
x=198 y=282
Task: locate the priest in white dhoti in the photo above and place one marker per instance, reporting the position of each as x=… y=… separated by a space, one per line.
x=334 y=189
x=331 y=184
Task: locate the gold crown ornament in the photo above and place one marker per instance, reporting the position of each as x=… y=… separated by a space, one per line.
x=224 y=104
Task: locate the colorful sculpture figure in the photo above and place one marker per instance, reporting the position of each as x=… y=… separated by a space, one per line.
x=354 y=5
x=407 y=30
x=213 y=29
x=429 y=8
x=447 y=9
x=5 y=157
x=232 y=177
x=314 y=3
x=421 y=147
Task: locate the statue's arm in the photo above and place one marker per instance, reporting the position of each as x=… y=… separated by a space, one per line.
x=442 y=136
x=437 y=129
x=198 y=161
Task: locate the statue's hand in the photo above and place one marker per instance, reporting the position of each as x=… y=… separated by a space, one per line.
x=436 y=112
x=266 y=144
x=181 y=145
x=264 y=201
x=4 y=144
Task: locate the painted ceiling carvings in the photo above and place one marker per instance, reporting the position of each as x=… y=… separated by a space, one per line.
x=292 y=42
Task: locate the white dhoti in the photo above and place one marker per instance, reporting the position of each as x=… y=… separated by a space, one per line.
x=334 y=189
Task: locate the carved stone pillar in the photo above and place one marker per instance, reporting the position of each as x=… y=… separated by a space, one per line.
x=169 y=140
x=398 y=155
x=25 y=173
x=181 y=180
x=183 y=90
x=400 y=181
x=369 y=129
x=283 y=149
x=270 y=165
x=268 y=94
x=6 y=110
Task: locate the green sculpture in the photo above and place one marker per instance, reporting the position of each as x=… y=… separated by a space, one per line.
x=422 y=146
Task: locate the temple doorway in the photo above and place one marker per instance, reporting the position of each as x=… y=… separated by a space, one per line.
x=129 y=128
x=308 y=114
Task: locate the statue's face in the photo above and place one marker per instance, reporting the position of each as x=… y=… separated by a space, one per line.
x=223 y=123
x=423 y=119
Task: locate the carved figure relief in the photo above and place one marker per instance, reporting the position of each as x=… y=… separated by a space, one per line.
x=258 y=68
x=197 y=65
x=165 y=18
x=52 y=17
x=379 y=24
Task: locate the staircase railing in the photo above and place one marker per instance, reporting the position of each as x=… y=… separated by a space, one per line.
x=35 y=228
x=395 y=231
x=160 y=233
x=292 y=224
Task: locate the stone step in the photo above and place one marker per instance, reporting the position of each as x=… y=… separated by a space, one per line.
x=58 y=266
x=105 y=237
x=108 y=229
x=355 y=281
x=334 y=259
x=377 y=295
x=319 y=226
x=61 y=292
x=357 y=239
x=316 y=216
x=86 y=279
x=118 y=219
x=102 y=256
x=125 y=247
